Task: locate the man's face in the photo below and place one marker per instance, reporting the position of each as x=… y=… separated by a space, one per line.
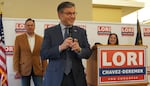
x=30 y=26
x=67 y=17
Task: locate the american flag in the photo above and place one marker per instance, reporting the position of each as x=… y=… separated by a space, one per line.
x=3 y=68
x=138 y=40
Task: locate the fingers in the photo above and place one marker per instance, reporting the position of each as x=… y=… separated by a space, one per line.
x=69 y=38
x=75 y=46
x=70 y=43
x=66 y=44
x=17 y=75
x=75 y=40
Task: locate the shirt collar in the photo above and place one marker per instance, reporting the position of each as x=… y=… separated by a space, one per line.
x=63 y=26
x=30 y=36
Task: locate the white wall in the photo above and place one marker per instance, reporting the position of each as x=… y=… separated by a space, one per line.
x=92 y=29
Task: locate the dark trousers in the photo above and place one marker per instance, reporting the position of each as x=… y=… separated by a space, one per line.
x=68 y=80
x=26 y=80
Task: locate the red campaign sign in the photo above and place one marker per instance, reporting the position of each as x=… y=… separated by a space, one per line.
x=20 y=25
x=146 y=31
x=127 y=31
x=9 y=50
x=121 y=65
x=20 y=28
x=121 y=58
x=103 y=30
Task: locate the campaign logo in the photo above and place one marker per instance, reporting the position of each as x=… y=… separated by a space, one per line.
x=103 y=30
x=127 y=31
x=146 y=31
x=9 y=50
x=121 y=65
x=20 y=28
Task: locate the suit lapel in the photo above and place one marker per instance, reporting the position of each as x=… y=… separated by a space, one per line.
x=59 y=35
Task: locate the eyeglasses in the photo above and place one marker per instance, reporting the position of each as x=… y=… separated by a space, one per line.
x=70 y=13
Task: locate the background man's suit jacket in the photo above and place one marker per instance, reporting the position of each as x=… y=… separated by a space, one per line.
x=24 y=59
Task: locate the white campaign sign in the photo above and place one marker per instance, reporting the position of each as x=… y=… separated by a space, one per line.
x=96 y=32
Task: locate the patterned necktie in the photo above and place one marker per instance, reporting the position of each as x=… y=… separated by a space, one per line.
x=68 y=65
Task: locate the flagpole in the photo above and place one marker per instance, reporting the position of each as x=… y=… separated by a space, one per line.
x=137 y=15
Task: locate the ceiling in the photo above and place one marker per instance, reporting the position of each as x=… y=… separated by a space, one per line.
x=127 y=6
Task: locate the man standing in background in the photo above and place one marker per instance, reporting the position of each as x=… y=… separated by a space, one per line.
x=26 y=60
x=65 y=45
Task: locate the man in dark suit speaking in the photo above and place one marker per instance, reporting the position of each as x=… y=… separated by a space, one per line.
x=65 y=46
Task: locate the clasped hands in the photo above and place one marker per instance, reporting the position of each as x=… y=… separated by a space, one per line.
x=70 y=43
x=17 y=75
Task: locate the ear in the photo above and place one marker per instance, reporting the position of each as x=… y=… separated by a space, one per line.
x=59 y=15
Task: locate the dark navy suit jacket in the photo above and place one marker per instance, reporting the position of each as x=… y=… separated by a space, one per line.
x=53 y=37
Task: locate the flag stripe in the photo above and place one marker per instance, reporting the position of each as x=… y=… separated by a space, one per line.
x=3 y=68
x=2 y=48
x=2 y=62
x=2 y=55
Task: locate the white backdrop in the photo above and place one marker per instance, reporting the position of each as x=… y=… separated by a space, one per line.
x=96 y=32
